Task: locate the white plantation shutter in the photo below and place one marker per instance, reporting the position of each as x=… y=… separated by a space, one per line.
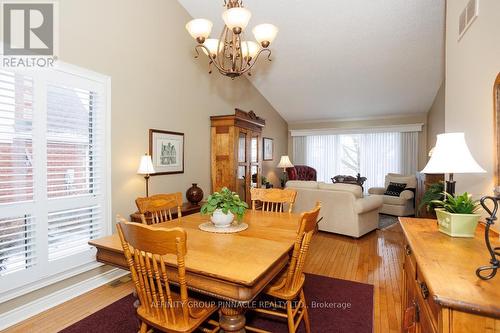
x=17 y=249
x=70 y=230
x=53 y=186
x=17 y=232
x=16 y=114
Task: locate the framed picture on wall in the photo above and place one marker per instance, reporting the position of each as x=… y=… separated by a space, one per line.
x=167 y=151
x=268 y=149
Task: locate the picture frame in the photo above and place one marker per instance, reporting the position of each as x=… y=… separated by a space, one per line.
x=268 y=149
x=167 y=152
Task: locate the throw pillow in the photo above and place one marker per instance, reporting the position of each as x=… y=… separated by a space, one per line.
x=395 y=189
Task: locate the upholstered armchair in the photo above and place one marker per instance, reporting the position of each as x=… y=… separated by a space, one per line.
x=397 y=205
x=301 y=172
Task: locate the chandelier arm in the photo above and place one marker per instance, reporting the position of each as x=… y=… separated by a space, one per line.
x=240 y=52
x=256 y=58
x=221 y=50
x=234 y=53
x=213 y=61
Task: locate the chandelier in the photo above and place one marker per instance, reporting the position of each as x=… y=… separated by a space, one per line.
x=232 y=54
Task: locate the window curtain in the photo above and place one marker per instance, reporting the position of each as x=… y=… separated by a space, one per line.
x=373 y=155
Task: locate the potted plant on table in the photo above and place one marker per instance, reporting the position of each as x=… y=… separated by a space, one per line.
x=433 y=193
x=457 y=215
x=223 y=206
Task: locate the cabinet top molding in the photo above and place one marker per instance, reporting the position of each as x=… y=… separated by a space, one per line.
x=241 y=116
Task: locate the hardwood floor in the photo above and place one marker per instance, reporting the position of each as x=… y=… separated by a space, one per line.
x=375 y=259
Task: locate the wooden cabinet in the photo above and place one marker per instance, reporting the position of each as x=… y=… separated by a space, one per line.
x=441 y=292
x=236 y=152
x=423 y=183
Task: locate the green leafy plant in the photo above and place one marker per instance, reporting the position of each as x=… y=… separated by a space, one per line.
x=461 y=204
x=435 y=192
x=227 y=201
x=263 y=180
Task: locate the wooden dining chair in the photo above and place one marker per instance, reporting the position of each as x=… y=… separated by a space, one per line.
x=158 y=208
x=273 y=199
x=288 y=287
x=161 y=307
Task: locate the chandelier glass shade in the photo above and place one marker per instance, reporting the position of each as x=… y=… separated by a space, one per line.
x=231 y=53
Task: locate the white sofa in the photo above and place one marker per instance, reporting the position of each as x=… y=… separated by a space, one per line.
x=404 y=205
x=344 y=209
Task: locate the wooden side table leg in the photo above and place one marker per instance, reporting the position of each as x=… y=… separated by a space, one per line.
x=232 y=319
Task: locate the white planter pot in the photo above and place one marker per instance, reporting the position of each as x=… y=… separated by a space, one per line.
x=457 y=225
x=221 y=220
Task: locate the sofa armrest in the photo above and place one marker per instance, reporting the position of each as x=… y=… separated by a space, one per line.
x=368 y=203
x=377 y=190
x=407 y=195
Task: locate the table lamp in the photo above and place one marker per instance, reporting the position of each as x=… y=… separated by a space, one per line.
x=451 y=155
x=284 y=163
x=146 y=168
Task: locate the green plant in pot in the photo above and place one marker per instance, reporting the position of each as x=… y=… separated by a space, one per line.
x=457 y=215
x=433 y=193
x=223 y=206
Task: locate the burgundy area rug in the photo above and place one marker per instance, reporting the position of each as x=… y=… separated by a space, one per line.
x=335 y=306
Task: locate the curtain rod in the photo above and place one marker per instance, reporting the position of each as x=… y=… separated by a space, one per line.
x=360 y=130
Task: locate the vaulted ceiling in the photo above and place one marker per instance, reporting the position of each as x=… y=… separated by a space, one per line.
x=336 y=59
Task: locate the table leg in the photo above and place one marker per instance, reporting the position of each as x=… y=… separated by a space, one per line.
x=232 y=319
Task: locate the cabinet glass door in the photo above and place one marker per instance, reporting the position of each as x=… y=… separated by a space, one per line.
x=242 y=147
x=241 y=182
x=242 y=178
x=254 y=161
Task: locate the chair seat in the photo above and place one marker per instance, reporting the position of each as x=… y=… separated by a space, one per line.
x=200 y=310
x=277 y=289
x=392 y=200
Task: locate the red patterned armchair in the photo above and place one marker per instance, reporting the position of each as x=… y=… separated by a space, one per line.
x=301 y=172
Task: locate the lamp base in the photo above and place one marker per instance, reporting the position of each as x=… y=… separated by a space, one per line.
x=450 y=187
x=147 y=185
x=284 y=179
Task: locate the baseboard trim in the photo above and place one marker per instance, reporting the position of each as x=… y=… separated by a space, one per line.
x=37 y=306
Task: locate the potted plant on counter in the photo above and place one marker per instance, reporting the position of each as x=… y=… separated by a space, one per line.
x=223 y=206
x=433 y=193
x=457 y=215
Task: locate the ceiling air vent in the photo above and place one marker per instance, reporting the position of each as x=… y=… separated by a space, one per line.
x=467 y=17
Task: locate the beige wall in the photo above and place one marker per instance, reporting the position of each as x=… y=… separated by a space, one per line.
x=410 y=119
x=471 y=67
x=435 y=118
x=156 y=83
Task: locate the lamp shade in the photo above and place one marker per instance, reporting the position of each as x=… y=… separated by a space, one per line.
x=236 y=17
x=249 y=49
x=285 y=162
x=265 y=33
x=145 y=166
x=451 y=155
x=199 y=28
x=212 y=45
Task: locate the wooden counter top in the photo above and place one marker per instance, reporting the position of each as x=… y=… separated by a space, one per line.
x=449 y=265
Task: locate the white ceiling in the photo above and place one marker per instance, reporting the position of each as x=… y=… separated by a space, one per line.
x=337 y=59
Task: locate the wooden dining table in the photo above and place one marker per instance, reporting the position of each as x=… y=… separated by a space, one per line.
x=233 y=268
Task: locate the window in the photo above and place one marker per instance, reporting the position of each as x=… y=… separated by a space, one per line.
x=373 y=155
x=54 y=194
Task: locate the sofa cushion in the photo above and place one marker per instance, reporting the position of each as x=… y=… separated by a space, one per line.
x=368 y=203
x=356 y=190
x=302 y=184
x=409 y=180
x=390 y=200
x=395 y=189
